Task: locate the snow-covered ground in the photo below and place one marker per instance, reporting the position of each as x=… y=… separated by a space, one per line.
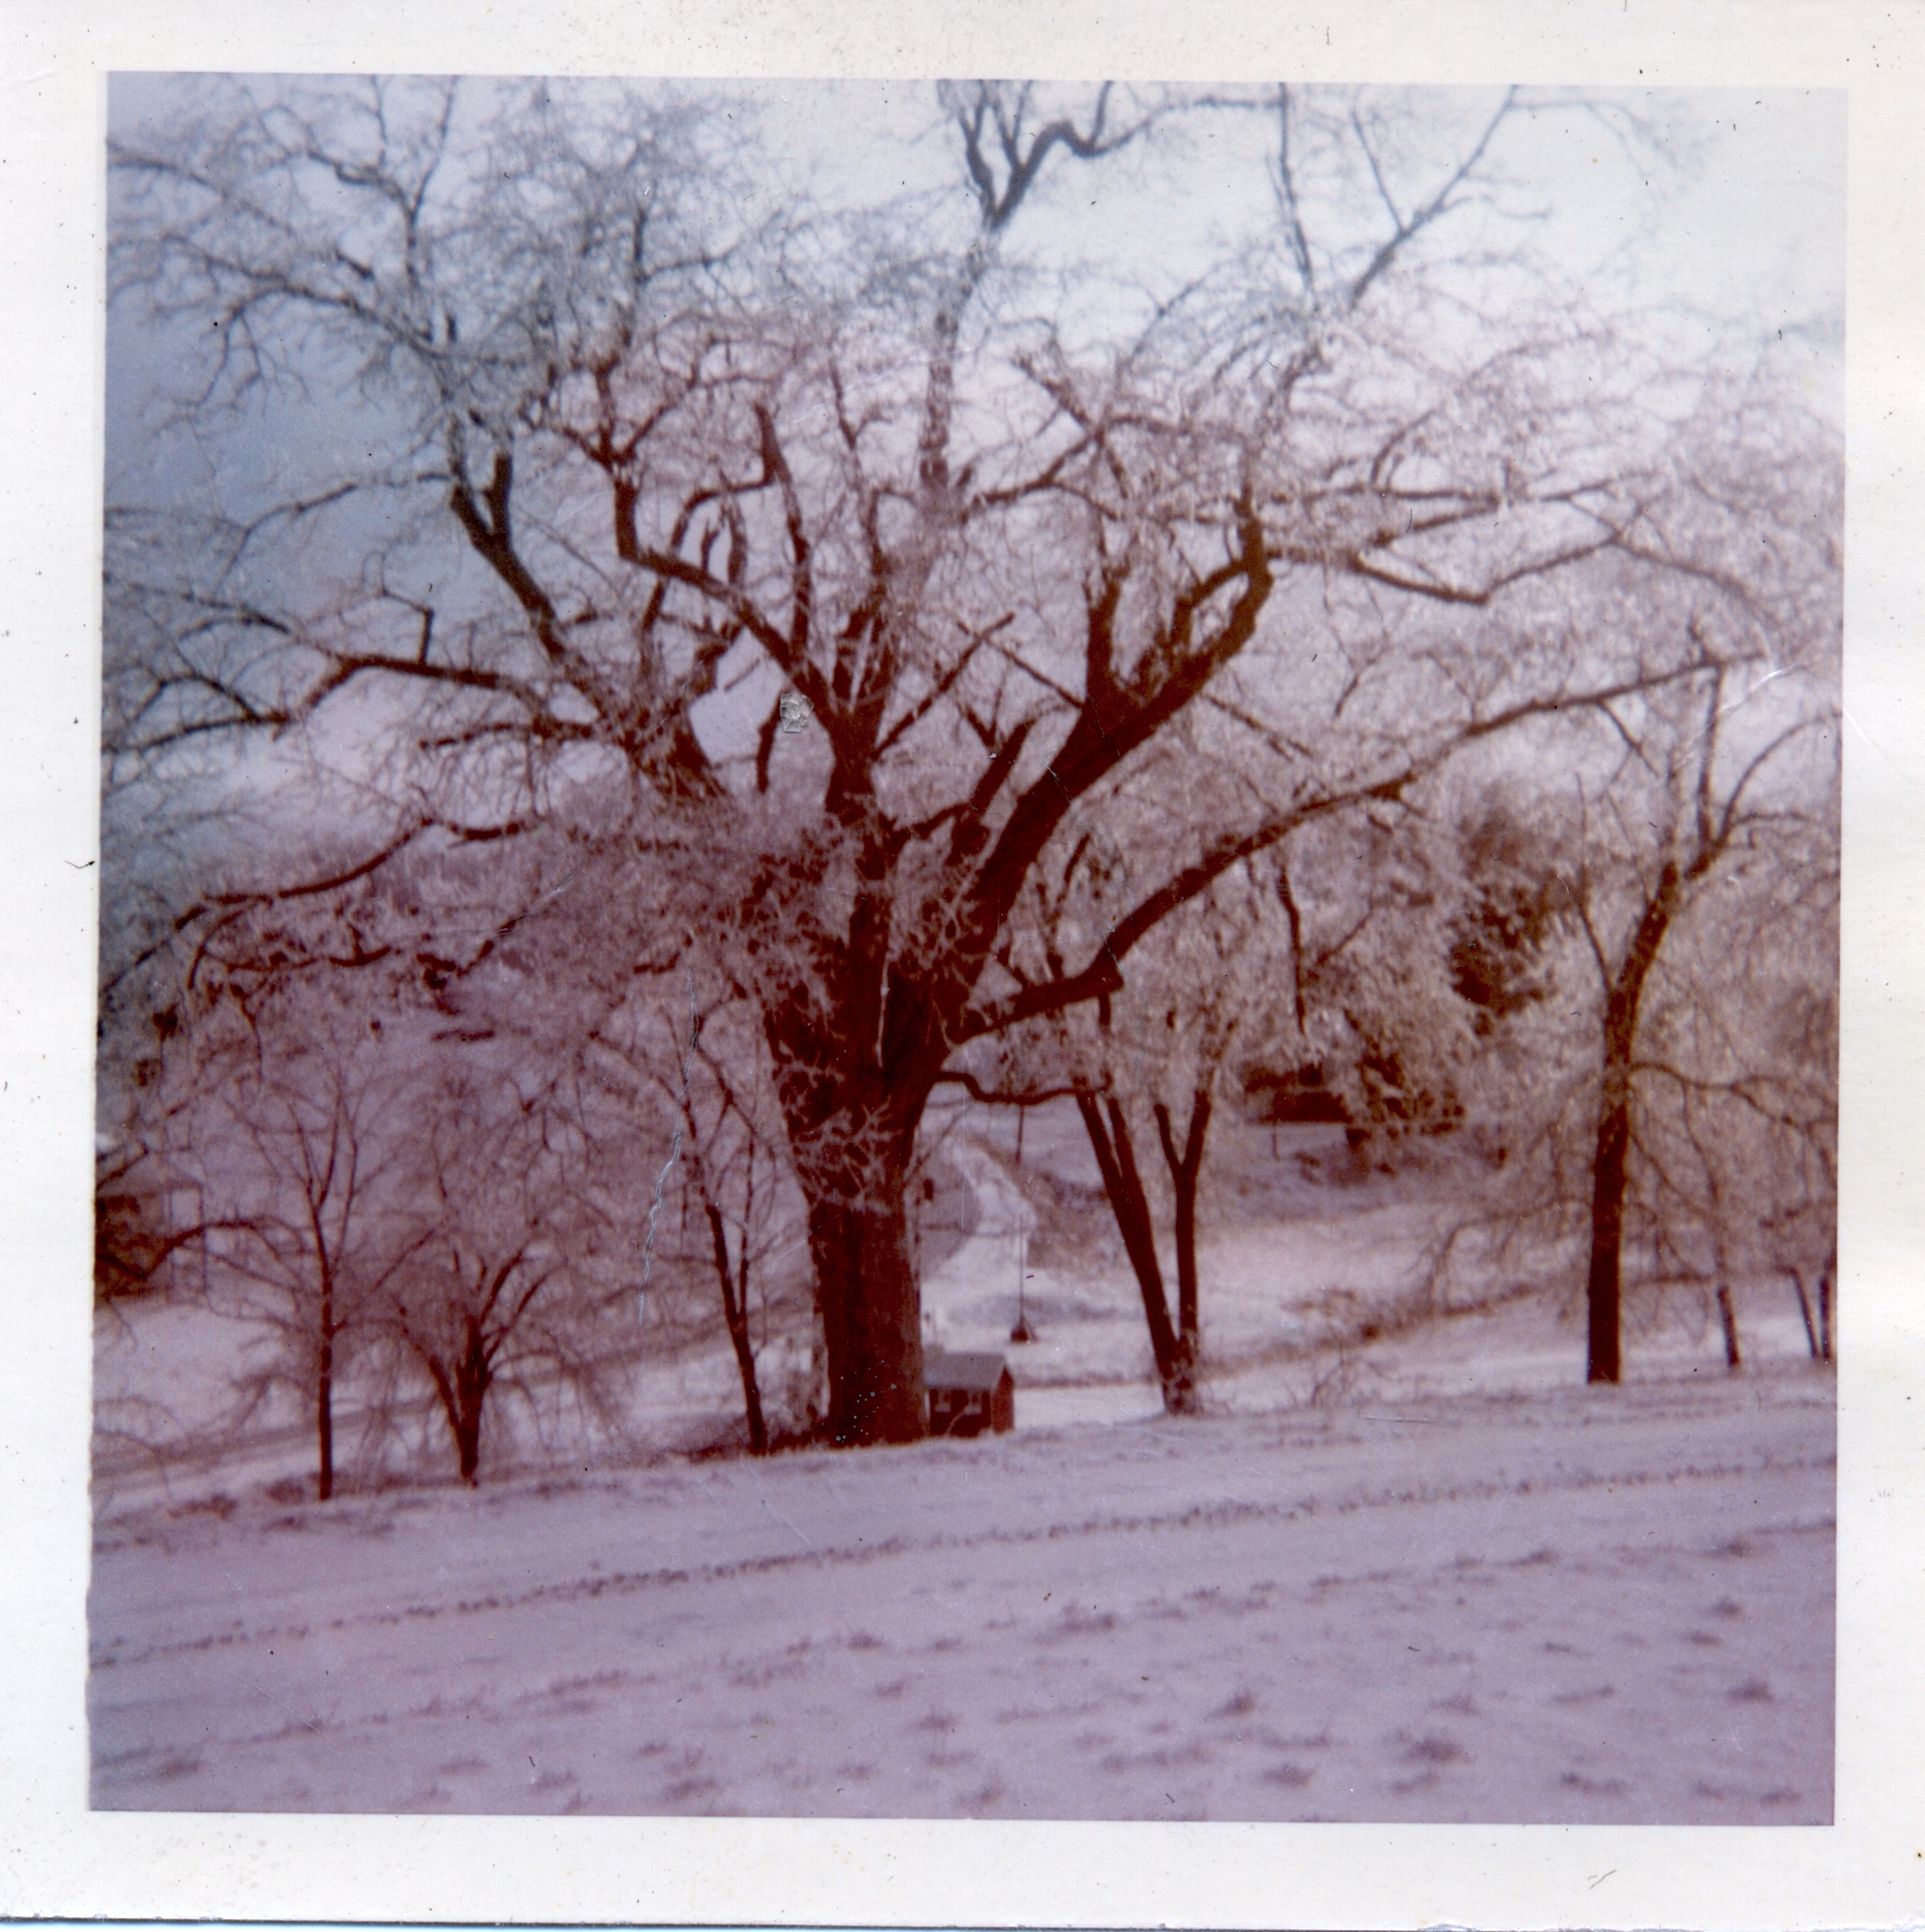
x=1580 y=1606
x=1425 y=1577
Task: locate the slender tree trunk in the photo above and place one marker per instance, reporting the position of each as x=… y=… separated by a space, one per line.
x=1116 y=1156
x=472 y=1377
x=467 y=1447
x=1604 y=1283
x=1604 y=1287
x=463 y=1394
x=1811 y=1333
x=1826 y=1281
x=1184 y=1170
x=324 y=1394
x=736 y=1313
x=1728 y=1319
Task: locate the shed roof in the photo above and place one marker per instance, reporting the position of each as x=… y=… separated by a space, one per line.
x=963 y=1371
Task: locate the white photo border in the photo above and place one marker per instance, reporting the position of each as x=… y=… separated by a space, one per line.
x=56 y=1857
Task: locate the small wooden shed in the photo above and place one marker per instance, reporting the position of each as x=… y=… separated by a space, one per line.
x=969 y=1394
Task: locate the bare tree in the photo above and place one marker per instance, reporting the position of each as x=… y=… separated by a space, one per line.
x=1382 y=994
x=304 y=1232
x=732 y=1278
x=1719 y=810
x=502 y=1287
x=654 y=477
x=1800 y=1229
x=1154 y=1053
x=734 y=1172
x=674 y=1100
x=1736 y=1115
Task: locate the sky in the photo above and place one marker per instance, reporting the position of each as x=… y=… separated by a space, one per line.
x=1745 y=222
x=1716 y=211
x=1721 y=206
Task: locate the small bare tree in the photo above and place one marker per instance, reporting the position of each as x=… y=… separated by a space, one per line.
x=305 y=1228
x=733 y=1169
x=1736 y=1118
x=673 y=1096
x=502 y=1288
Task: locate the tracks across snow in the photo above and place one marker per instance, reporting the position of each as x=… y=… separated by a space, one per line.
x=1582 y=1606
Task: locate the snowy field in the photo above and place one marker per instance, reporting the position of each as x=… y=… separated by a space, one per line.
x=1425 y=1577
x=1577 y=1606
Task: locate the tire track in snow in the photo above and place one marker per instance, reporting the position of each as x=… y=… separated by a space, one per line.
x=1194 y=1516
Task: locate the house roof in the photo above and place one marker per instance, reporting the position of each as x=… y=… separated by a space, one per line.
x=968 y=1371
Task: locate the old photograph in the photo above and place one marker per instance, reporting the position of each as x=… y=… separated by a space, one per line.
x=968 y=950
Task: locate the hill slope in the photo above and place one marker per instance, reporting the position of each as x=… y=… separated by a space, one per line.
x=1569 y=1605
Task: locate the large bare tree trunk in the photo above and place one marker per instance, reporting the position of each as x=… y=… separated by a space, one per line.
x=871 y=1312
x=851 y=1107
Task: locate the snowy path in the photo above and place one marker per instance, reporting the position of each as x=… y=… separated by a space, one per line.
x=1576 y=1606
